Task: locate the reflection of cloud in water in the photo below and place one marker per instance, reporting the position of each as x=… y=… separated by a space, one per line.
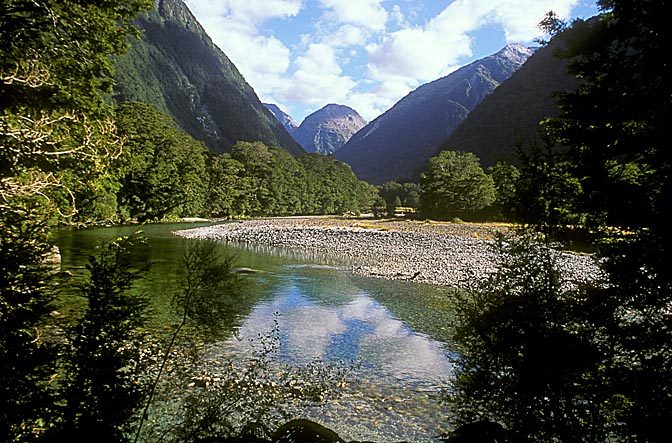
x=359 y=329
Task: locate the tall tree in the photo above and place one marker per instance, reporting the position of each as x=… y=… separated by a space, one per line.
x=614 y=132
x=55 y=144
x=455 y=185
x=162 y=171
x=105 y=377
x=616 y=126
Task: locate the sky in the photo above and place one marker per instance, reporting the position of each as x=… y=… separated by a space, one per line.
x=367 y=54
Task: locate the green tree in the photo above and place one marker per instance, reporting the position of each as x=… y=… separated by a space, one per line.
x=455 y=185
x=210 y=295
x=390 y=192
x=616 y=129
x=162 y=171
x=613 y=130
x=525 y=357
x=505 y=177
x=227 y=186
x=257 y=160
x=26 y=361
x=546 y=191
x=105 y=377
x=56 y=142
x=332 y=187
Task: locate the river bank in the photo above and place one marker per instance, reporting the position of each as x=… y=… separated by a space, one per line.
x=451 y=254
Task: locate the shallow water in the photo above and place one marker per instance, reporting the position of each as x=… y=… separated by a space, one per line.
x=394 y=332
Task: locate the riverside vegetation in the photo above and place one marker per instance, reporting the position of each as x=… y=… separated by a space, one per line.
x=537 y=360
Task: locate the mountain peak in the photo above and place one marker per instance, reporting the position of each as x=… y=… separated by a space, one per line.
x=515 y=52
x=397 y=144
x=328 y=128
x=287 y=121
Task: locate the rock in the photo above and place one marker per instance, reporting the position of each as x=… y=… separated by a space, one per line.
x=441 y=254
x=246 y=271
x=305 y=431
x=483 y=431
x=53 y=257
x=239 y=439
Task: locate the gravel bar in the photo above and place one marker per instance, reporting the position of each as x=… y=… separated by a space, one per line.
x=451 y=254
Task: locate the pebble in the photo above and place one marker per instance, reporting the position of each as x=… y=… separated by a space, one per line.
x=441 y=254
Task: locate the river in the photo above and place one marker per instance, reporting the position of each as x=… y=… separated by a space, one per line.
x=394 y=334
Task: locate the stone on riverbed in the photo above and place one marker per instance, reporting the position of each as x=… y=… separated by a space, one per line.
x=426 y=253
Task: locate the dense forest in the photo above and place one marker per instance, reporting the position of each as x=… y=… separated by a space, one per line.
x=539 y=358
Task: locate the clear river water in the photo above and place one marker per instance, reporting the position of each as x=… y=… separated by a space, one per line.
x=395 y=333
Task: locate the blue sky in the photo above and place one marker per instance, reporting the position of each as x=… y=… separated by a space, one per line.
x=366 y=54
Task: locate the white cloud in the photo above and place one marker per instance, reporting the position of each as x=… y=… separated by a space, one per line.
x=247 y=12
x=389 y=46
x=419 y=54
x=371 y=103
x=318 y=78
x=346 y=35
x=367 y=13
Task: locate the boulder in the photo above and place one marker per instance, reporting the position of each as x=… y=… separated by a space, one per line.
x=305 y=431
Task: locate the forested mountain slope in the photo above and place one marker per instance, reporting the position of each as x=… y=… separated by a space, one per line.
x=177 y=69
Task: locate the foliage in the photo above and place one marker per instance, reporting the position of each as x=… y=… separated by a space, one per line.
x=526 y=358
x=616 y=128
x=455 y=185
x=614 y=180
x=25 y=301
x=505 y=177
x=399 y=194
x=105 y=377
x=162 y=170
x=547 y=192
x=255 y=398
x=56 y=142
x=210 y=296
x=211 y=289
x=332 y=187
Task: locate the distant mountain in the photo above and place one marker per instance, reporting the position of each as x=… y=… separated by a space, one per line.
x=328 y=129
x=396 y=145
x=176 y=68
x=513 y=111
x=287 y=121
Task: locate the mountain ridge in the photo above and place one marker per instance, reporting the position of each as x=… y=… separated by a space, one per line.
x=397 y=144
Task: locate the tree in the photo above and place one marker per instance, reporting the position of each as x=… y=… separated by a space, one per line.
x=614 y=132
x=332 y=187
x=505 y=177
x=616 y=129
x=56 y=142
x=105 y=378
x=210 y=295
x=26 y=361
x=455 y=185
x=525 y=356
x=390 y=192
x=162 y=169
x=546 y=191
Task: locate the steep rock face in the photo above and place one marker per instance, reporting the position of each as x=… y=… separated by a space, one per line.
x=177 y=68
x=328 y=129
x=396 y=145
x=287 y=121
